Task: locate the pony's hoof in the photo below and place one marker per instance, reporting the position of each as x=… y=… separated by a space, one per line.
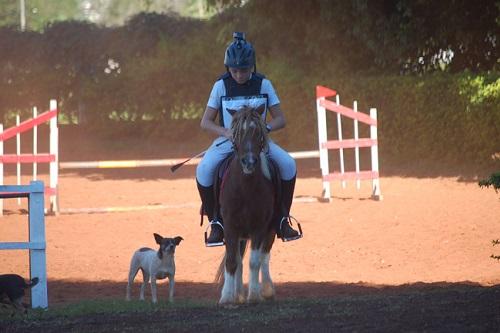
x=268 y=293
x=269 y=297
x=240 y=299
x=223 y=301
x=254 y=298
x=229 y=306
x=227 y=303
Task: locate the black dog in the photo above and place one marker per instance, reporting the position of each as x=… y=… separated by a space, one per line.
x=13 y=286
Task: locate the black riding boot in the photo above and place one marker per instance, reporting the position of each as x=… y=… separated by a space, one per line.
x=207 y=195
x=284 y=229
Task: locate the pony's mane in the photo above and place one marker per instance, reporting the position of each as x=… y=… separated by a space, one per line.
x=243 y=116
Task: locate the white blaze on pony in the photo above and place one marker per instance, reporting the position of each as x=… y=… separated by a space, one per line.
x=248 y=206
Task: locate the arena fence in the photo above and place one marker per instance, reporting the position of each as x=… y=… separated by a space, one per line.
x=36 y=244
x=149 y=163
x=35 y=157
x=117 y=164
x=323 y=104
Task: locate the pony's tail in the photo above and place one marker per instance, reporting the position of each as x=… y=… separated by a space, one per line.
x=219 y=276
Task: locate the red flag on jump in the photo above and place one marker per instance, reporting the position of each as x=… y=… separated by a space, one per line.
x=324 y=92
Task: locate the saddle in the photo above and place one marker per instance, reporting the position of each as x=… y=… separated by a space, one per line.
x=221 y=175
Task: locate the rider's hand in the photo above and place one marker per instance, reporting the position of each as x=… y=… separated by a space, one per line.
x=228 y=133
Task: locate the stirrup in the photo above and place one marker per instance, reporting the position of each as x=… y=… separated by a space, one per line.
x=216 y=222
x=289 y=219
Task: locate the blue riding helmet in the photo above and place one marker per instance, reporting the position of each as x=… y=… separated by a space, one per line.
x=240 y=53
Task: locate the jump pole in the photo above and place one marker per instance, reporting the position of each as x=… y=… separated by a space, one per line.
x=35 y=143
x=322 y=93
x=1 y=169
x=18 y=153
x=54 y=165
x=374 y=157
x=340 y=136
x=123 y=164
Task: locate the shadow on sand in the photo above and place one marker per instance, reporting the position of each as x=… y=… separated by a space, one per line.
x=299 y=307
x=65 y=291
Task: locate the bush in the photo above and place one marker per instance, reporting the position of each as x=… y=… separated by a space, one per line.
x=159 y=69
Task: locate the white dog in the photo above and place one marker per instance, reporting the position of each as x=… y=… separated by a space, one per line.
x=155 y=265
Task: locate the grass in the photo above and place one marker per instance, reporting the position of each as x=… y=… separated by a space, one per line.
x=107 y=306
x=101 y=315
x=285 y=308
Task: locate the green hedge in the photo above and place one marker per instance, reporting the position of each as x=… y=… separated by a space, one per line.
x=441 y=118
x=157 y=71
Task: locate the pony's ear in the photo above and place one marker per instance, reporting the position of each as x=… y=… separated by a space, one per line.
x=260 y=109
x=231 y=111
x=178 y=239
x=158 y=238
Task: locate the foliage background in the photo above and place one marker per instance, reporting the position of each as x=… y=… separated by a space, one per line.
x=152 y=75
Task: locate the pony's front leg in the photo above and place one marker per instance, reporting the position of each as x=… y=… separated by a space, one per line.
x=267 y=286
x=240 y=292
x=253 y=283
x=228 y=294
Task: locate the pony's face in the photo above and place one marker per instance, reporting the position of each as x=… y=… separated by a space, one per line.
x=250 y=147
x=249 y=137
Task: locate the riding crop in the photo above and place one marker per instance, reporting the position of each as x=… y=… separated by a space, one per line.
x=178 y=165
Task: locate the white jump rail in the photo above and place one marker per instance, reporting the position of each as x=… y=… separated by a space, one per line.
x=323 y=104
x=52 y=157
x=36 y=244
x=123 y=164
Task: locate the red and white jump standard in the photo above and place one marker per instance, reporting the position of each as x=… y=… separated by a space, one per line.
x=323 y=104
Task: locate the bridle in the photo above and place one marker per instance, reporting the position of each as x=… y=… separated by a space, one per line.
x=239 y=134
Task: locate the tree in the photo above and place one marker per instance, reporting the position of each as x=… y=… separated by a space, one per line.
x=39 y=12
x=9 y=15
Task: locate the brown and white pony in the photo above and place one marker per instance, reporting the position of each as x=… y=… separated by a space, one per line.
x=247 y=205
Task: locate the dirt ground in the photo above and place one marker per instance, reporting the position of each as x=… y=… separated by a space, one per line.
x=425 y=232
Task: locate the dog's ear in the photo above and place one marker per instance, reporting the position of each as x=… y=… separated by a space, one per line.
x=158 y=238
x=178 y=239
